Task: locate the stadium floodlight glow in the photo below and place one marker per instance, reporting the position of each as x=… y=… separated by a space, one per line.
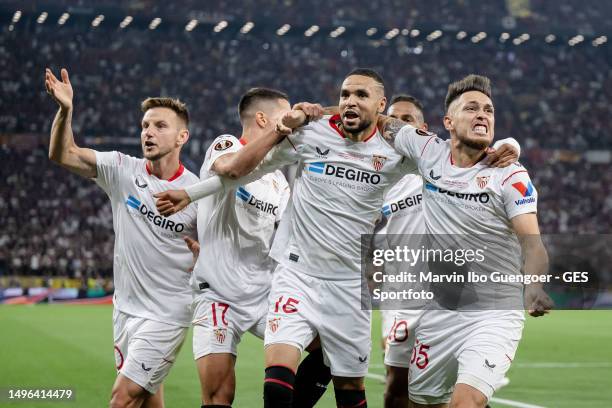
x=371 y=31
x=43 y=16
x=550 y=38
x=525 y=37
x=11 y=27
x=479 y=37
x=600 y=41
x=405 y=32
x=434 y=35
x=311 y=31
x=576 y=40
x=96 y=21
x=461 y=35
x=392 y=33
x=155 y=23
x=62 y=20
x=283 y=30
x=418 y=49
x=221 y=25
x=248 y=26
x=414 y=33
x=126 y=21
x=504 y=37
x=517 y=41
x=337 y=32
x=191 y=25
x=16 y=16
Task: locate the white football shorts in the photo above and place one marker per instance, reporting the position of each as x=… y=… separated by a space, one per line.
x=145 y=349
x=218 y=325
x=471 y=347
x=302 y=306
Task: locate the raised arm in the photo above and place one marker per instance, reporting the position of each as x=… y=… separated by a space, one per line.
x=62 y=148
x=242 y=167
x=502 y=154
x=537 y=302
x=240 y=163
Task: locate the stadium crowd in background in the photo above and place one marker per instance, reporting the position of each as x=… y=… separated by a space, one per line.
x=126 y=68
x=48 y=225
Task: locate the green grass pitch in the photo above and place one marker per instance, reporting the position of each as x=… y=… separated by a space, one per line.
x=564 y=360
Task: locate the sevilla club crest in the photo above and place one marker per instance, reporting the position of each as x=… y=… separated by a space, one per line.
x=482 y=181
x=273 y=324
x=220 y=335
x=378 y=162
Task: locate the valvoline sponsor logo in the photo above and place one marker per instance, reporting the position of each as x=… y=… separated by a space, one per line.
x=406 y=202
x=526 y=191
x=481 y=198
x=156 y=219
x=250 y=199
x=346 y=173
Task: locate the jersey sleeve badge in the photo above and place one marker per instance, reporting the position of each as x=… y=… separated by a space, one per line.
x=223 y=145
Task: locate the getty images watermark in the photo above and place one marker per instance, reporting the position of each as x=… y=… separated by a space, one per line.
x=485 y=272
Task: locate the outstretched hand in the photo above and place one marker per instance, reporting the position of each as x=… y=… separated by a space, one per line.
x=61 y=91
x=504 y=156
x=171 y=201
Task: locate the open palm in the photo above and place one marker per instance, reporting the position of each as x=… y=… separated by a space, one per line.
x=61 y=91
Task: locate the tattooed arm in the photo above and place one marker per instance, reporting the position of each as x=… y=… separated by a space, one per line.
x=389 y=128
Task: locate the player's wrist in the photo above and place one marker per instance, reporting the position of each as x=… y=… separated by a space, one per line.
x=65 y=110
x=304 y=118
x=534 y=286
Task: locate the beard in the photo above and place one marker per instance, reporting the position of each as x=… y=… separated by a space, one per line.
x=363 y=125
x=476 y=144
x=155 y=154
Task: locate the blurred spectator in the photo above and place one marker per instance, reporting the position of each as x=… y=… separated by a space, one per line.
x=55 y=224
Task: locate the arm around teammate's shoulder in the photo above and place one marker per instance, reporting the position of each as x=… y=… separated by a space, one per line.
x=62 y=148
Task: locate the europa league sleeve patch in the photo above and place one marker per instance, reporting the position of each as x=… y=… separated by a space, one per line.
x=223 y=145
x=422 y=132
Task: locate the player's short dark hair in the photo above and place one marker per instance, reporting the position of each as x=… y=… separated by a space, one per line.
x=254 y=95
x=367 y=72
x=406 y=98
x=469 y=83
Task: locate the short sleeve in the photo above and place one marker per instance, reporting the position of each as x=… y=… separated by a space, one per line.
x=221 y=146
x=518 y=193
x=412 y=142
x=107 y=168
x=284 y=153
x=509 y=141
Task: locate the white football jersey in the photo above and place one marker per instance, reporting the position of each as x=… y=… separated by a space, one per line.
x=337 y=196
x=477 y=202
x=235 y=230
x=151 y=260
x=402 y=209
x=402 y=212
